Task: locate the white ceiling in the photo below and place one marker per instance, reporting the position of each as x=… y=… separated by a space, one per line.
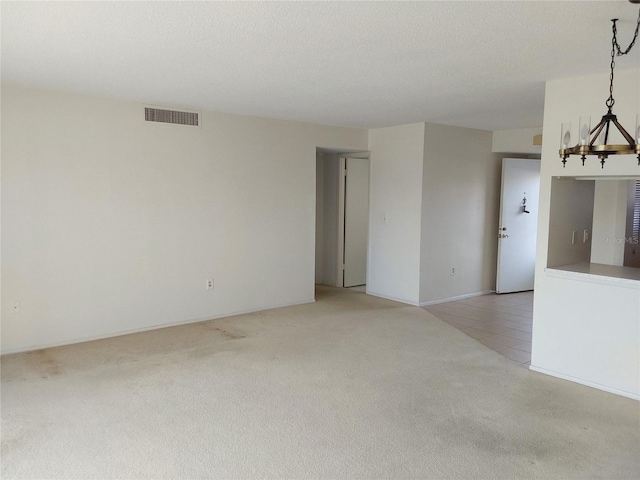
x=366 y=64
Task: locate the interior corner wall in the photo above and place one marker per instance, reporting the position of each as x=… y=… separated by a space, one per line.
x=460 y=207
x=111 y=224
x=585 y=331
x=396 y=163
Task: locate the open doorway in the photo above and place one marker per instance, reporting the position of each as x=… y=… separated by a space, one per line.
x=342 y=218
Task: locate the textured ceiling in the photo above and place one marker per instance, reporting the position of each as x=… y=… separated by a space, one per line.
x=367 y=64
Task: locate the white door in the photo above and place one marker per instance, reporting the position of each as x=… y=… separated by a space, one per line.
x=356 y=221
x=518 y=227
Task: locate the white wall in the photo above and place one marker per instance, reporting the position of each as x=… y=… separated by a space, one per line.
x=434 y=204
x=516 y=141
x=609 y=221
x=397 y=157
x=460 y=207
x=111 y=224
x=588 y=332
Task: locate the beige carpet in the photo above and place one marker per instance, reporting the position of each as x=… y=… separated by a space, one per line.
x=349 y=387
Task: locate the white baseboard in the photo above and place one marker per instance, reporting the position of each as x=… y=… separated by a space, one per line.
x=147 y=329
x=599 y=386
x=453 y=299
x=387 y=297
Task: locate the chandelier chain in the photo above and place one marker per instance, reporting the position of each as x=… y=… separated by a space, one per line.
x=615 y=39
x=617 y=51
x=610 y=101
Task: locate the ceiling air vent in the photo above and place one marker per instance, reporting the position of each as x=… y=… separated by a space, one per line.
x=170 y=116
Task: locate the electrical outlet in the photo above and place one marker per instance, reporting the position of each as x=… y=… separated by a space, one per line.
x=15 y=308
x=585 y=236
x=453 y=270
x=209 y=283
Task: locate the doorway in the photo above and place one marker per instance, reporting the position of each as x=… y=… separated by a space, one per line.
x=342 y=218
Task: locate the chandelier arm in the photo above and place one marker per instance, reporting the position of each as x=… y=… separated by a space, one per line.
x=600 y=126
x=606 y=133
x=624 y=133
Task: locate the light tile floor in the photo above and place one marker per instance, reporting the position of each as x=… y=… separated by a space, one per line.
x=501 y=322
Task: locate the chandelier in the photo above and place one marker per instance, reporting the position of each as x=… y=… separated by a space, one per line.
x=596 y=141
